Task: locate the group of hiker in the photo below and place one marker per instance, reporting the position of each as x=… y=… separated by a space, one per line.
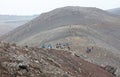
x=49 y=46
x=63 y=46
x=57 y=46
x=89 y=49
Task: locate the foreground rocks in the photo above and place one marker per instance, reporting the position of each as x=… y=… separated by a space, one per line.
x=27 y=61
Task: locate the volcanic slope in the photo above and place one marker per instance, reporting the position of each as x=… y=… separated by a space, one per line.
x=27 y=61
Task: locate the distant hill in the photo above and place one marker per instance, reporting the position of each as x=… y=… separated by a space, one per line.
x=115 y=11
x=5 y=18
x=9 y=22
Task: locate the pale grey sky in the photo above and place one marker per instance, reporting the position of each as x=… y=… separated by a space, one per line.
x=31 y=7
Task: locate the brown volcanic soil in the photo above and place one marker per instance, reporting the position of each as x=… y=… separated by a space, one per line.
x=45 y=63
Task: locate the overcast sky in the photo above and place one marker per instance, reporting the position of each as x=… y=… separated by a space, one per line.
x=31 y=7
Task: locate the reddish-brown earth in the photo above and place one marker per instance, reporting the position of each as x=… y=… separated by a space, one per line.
x=45 y=63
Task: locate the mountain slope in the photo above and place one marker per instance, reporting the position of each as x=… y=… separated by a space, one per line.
x=35 y=62
x=58 y=17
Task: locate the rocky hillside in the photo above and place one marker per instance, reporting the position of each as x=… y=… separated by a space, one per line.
x=27 y=61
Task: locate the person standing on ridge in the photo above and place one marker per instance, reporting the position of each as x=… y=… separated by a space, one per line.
x=49 y=46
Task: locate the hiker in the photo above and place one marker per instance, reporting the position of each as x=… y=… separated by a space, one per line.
x=88 y=50
x=92 y=47
x=49 y=46
x=57 y=45
x=43 y=46
x=68 y=47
